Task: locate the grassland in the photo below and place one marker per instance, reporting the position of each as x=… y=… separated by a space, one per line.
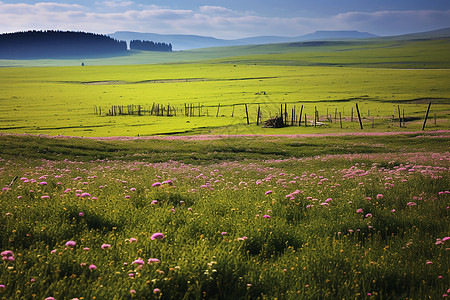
x=332 y=77
x=350 y=217
x=331 y=214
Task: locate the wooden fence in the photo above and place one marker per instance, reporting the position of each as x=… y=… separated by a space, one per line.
x=282 y=117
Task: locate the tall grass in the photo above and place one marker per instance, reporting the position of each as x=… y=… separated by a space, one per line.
x=354 y=225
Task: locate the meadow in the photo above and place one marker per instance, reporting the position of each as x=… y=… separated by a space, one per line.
x=354 y=217
x=332 y=77
x=95 y=206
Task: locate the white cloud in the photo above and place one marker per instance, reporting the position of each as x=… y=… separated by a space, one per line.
x=393 y=22
x=114 y=3
x=214 y=21
x=217 y=11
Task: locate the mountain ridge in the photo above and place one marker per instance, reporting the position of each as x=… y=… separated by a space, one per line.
x=186 y=42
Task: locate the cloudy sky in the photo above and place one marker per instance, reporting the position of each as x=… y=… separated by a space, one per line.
x=227 y=19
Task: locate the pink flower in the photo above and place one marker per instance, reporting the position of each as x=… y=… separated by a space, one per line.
x=268 y=192
x=156 y=291
x=132 y=189
x=43 y=183
x=368 y=216
x=138 y=262
x=224 y=233
x=266 y=216
x=157 y=184
x=157 y=236
x=106 y=246
x=92 y=267
x=85 y=195
x=7 y=253
x=70 y=244
x=153 y=261
x=359 y=211
x=411 y=203
x=45 y=197
x=133 y=240
x=154 y=202
x=446 y=238
x=380 y=196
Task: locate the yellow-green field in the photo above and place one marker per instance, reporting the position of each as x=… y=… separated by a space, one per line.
x=61 y=100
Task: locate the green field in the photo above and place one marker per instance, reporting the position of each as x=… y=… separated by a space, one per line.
x=379 y=76
x=241 y=211
x=351 y=217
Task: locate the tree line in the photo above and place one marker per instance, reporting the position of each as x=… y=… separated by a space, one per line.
x=65 y=44
x=150 y=46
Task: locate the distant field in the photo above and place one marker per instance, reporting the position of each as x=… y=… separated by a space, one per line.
x=379 y=76
x=424 y=53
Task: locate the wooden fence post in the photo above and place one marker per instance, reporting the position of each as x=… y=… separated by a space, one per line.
x=315 y=116
x=300 y=118
x=246 y=112
x=281 y=114
x=426 y=116
x=285 y=114
x=257 y=116
x=218 y=108
x=359 y=116
x=399 y=116
x=340 y=119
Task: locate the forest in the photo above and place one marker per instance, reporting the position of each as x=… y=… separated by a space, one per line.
x=150 y=46
x=56 y=44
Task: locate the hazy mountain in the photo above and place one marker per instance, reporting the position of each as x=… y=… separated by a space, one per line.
x=445 y=32
x=183 y=42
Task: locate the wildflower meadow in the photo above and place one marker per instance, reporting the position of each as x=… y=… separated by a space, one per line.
x=348 y=217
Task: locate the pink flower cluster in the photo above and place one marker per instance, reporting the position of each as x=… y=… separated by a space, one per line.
x=7 y=255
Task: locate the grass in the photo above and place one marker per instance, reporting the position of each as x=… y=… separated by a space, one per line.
x=226 y=235
x=57 y=101
x=379 y=75
x=243 y=217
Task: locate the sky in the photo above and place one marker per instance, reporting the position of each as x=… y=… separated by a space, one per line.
x=227 y=19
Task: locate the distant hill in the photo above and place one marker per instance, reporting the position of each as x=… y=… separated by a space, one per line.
x=184 y=42
x=440 y=33
x=57 y=44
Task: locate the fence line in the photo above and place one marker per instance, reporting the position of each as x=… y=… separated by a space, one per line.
x=283 y=117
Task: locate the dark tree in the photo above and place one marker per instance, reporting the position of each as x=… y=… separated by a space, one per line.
x=150 y=46
x=57 y=44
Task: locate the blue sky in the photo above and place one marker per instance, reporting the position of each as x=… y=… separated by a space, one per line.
x=227 y=19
